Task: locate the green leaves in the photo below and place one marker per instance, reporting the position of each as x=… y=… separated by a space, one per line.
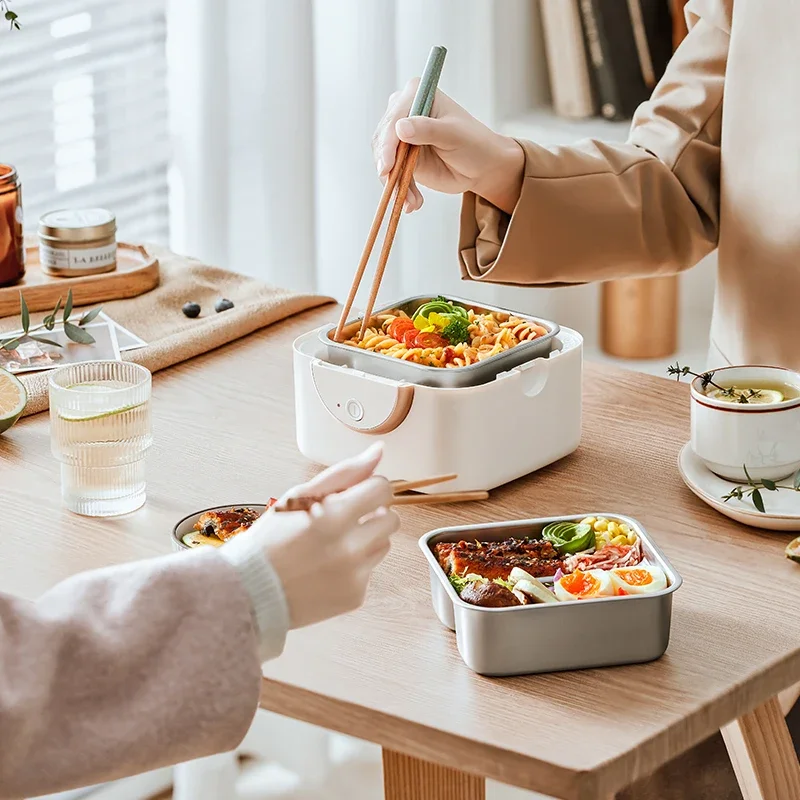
x=24 y=313
x=90 y=315
x=75 y=333
x=68 y=306
x=11 y=17
x=753 y=490
x=49 y=321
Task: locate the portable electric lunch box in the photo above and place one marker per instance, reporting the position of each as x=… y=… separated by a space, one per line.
x=523 y=419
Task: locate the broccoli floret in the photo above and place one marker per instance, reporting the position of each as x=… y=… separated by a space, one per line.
x=457 y=331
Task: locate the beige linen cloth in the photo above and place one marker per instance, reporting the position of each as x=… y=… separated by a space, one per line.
x=172 y=337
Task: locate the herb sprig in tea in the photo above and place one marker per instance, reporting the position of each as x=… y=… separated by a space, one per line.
x=707 y=379
x=76 y=333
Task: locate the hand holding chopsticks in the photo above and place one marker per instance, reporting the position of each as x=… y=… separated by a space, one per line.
x=398 y=498
x=399 y=178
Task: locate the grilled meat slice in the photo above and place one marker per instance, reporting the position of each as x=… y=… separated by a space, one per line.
x=496 y=559
x=489 y=595
x=226 y=524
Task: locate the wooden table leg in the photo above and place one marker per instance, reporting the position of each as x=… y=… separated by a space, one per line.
x=763 y=755
x=409 y=778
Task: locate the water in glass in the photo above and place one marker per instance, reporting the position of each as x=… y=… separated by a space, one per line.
x=100 y=432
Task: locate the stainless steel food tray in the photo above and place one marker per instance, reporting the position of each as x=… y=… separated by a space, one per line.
x=472 y=375
x=521 y=640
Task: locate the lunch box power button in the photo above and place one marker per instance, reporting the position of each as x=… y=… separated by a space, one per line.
x=354 y=410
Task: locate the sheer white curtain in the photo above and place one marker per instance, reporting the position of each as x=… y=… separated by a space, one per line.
x=274 y=104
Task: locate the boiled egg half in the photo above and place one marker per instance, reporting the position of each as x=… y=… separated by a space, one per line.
x=581 y=585
x=643 y=579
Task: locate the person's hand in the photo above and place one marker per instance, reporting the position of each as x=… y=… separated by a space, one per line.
x=324 y=557
x=458 y=152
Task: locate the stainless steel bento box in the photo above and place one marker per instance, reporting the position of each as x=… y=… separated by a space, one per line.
x=472 y=375
x=520 y=640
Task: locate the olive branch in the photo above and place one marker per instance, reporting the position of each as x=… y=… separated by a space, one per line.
x=74 y=332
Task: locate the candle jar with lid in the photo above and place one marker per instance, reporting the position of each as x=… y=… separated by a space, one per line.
x=76 y=242
x=12 y=249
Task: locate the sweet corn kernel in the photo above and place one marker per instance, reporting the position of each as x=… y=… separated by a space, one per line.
x=601 y=525
x=624 y=527
x=631 y=537
x=621 y=539
x=589 y=521
x=613 y=528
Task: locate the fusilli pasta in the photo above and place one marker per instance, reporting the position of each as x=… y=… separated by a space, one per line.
x=488 y=334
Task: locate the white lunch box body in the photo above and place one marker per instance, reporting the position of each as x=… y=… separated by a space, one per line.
x=488 y=434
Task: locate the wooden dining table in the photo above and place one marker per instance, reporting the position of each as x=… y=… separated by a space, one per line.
x=390 y=673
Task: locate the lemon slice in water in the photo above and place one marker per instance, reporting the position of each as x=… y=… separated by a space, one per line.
x=13 y=398
x=762 y=397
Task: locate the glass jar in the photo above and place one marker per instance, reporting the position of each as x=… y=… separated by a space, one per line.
x=75 y=242
x=12 y=246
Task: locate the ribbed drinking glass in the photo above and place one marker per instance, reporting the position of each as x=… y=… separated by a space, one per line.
x=100 y=432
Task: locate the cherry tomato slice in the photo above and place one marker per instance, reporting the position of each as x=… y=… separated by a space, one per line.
x=399 y=326
x=430 y=340
x=410 y=337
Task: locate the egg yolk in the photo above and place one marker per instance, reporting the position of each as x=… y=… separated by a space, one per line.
x=635 y=577
x=580 y=584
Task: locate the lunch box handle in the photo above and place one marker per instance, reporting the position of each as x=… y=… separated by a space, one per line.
x=362 y=402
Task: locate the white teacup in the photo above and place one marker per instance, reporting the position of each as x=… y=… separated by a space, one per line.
x=763 y=437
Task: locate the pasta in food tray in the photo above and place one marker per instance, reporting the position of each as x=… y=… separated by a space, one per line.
x=441 y=334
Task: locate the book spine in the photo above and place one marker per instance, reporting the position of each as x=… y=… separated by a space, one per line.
x=596 y=46
x=567 y=59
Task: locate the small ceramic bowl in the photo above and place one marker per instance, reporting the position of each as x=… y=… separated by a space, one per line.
x=763 y=437
x=186 y=525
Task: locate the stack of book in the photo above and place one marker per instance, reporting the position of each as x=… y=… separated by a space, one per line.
x=606 y=56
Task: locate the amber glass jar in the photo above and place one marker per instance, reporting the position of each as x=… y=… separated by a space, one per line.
x=12 y=249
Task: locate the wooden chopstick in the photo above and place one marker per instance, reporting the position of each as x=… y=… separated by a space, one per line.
x=399 y=179
x=404 y=486
x=437 y=499
x=306 y=503
x=388 y=189
x=391 y=230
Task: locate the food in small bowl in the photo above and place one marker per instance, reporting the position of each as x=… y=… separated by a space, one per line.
x=746 y=422
x=212 y=527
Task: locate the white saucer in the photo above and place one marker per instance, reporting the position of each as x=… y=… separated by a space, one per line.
x=782 y=508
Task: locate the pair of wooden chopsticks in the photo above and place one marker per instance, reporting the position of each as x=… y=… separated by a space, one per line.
x=399 y=498
x=399 y=177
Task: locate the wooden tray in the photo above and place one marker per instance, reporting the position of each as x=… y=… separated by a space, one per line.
x=136 y=273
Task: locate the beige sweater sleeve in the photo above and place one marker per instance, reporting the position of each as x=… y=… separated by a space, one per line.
x=596 y=211
x=124 y=670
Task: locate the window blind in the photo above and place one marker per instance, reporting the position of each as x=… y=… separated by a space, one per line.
x=83 y=110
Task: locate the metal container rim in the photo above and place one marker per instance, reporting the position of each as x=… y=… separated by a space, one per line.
x=553 y=330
